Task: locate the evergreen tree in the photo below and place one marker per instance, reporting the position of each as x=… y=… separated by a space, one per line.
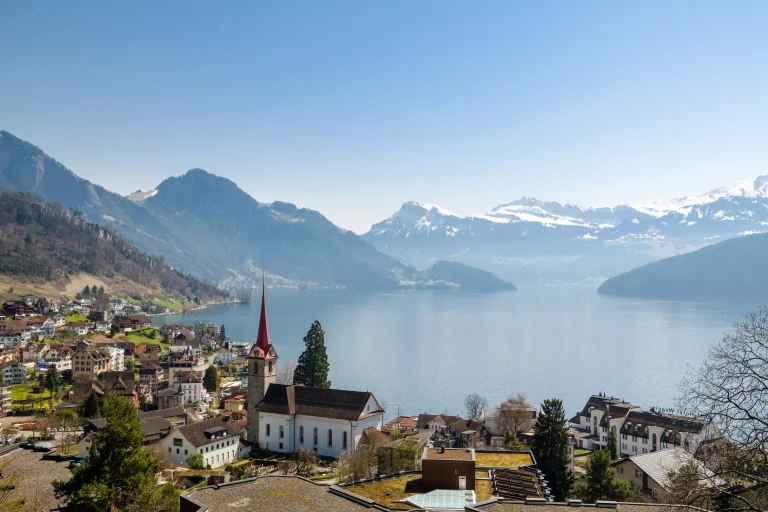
x=550 y=447
x=211 y=379
x=312 y=369
x=87 y=290
x=101 y=291
x=92 y=406
x=52 y=381
x=511 y=442
x=612 y=446
x=119 y=473
x=601 y=482
x=222 y=334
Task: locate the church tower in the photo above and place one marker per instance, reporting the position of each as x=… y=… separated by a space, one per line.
x=262 y=371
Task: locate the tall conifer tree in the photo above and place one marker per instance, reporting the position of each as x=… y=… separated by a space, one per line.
x=550 y=447
x=312 y=369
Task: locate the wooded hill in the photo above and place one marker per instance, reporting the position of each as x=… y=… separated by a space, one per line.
x=41 y=241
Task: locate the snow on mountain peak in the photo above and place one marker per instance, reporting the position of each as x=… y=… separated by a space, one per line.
x=140 y=196
x=747 y=188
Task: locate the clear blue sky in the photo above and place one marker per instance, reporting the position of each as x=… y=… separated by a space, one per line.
x=353 y=107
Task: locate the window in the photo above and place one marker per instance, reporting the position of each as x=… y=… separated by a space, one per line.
x=344 y=440
x=638 y=473
x=281 y=433
x=281 y=446
x=177 y=451
x=270 y=368
x=624 y=436
x=634 y=439
x=267 y=429
x=330 y=437
x=178 y=442
x=186 y=452
x=301 y=434
x=314 y=435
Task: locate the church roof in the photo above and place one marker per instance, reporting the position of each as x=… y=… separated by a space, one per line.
x=263 y=347
x=324 y=403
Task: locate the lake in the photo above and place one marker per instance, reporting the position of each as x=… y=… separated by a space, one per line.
x=426 y=350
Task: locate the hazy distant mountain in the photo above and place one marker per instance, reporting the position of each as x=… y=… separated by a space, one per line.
x=529 y=240
x=467 y=277
x=731 y=269
x=206 y=225
x=228 y=226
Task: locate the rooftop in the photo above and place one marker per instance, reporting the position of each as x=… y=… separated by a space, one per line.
x=449 y=454
x=273 y=493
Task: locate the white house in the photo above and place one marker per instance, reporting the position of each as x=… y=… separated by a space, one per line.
x=638 y=431
x=35 y=352
x=102 y=326
x=16 y=373
x=216 y=439
x=192 y=387
x=328 y=421
x=117 y=355
x=78 y=328
x=12 y=339
x=225 y=357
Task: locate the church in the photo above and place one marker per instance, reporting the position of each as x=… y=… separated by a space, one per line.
x=284 y=418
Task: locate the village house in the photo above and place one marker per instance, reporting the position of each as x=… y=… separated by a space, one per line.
x=284 y=418
x=637 y=431
x=168 y=398
x=35 y=352
x=207 y=328
x=102 y=326
x=78 y=328
x=59 y=320
x=184 y=365
x=225 y=357
x=140 y=321
x=192 y=386
x=18 y=309
x=156 y=425
x=12 y=339
x=87 y=364
x=650 y=471
x=151 y=374
x=16 y=373
x=190 y=348
x=216 y=439
x=100 y=315
x=116 y=356
x=235 y=403
x=435 y=422
x=42 y=326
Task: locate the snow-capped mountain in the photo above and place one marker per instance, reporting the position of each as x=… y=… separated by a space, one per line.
x=528 y=233
x=140 y=196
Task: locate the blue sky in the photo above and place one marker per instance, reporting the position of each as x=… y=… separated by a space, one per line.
x=353 y=107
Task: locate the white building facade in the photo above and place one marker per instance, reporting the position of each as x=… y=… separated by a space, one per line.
x=317 y=424
x=116 y=355
x=216 y=439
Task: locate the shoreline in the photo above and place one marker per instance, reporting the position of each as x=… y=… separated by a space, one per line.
x=203 y=307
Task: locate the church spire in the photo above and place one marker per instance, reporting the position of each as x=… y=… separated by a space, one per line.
x=263 y=346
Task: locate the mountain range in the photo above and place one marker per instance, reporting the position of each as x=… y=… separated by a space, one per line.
x=529 y=240
x=204 y=224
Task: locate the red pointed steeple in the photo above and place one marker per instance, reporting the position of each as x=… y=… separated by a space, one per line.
x=263 y=346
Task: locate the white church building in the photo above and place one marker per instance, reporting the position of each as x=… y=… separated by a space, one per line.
x=284 y=418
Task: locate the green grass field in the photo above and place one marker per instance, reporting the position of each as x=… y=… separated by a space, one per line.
x=145 y=336
x=76 y=317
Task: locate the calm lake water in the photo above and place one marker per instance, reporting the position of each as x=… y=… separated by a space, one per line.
x=426 y=350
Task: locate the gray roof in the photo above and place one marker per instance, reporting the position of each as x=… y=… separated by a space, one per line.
x=309 y=401
x=658 y=465
x=195 y=433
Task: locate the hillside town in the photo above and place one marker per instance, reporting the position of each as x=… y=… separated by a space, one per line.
x=225 y=425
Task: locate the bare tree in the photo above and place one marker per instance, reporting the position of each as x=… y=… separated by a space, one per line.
x=285 y=372
x=515 y=413
x=475 y=404
x=355 y=465
x=730 y=389
x=301 y=463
